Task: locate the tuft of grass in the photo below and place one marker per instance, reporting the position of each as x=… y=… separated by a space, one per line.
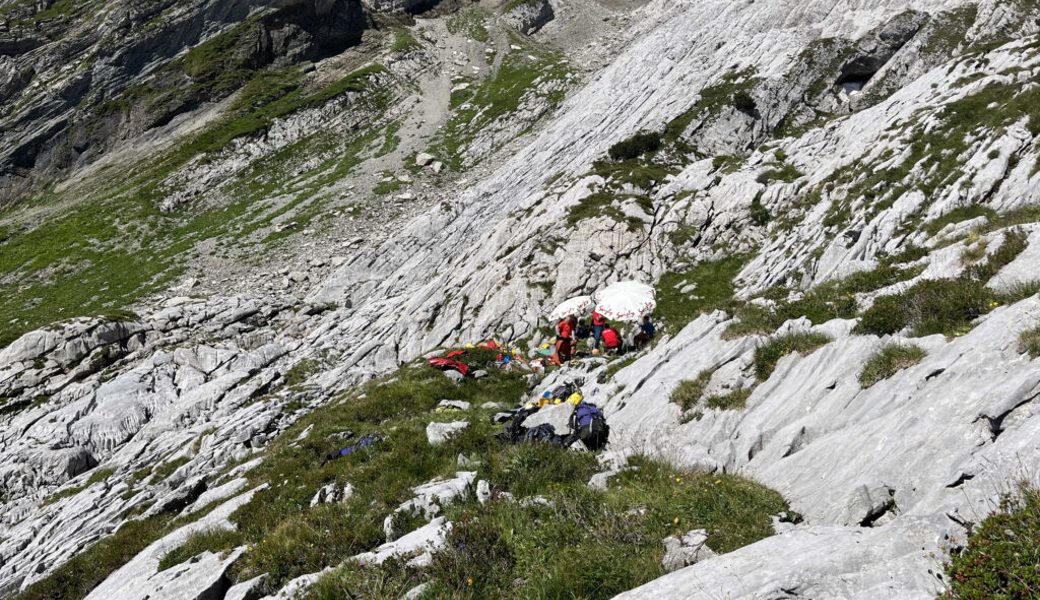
x=735 y=400
x=75 y=578
x=164 y=470
x=601 y=204
x=689 y=391
x=731 y=91
x=784 y=172
x=1001 y=556
x=1029 y=342
x=945 y=306
x=299 y=372
x=211 y=540
x=95 y=477
x=889 y=360
x=403 y=41
x=770 y=353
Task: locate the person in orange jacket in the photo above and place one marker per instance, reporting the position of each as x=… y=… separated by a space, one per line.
x=565 y=340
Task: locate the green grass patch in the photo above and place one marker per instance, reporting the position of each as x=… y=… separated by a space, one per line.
x=832 y=300
x=211 y=540
x=770 y=353
x=165 y=469
x=404 y=41
x=714 y=289
x=74 y=579
x=889 y=360
x=732 y=90
x=470 y=21
x=603 y=204
x=1001 y=557
x=593 y=544
x=113 y=246
x=97 y=476
x=947 y=306
x=959 y=215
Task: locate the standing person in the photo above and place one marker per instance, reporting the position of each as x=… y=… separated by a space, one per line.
x=598 y=323
x=565 y=331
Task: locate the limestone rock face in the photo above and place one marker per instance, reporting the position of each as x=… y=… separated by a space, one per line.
x=110 y=418
x=529 y=16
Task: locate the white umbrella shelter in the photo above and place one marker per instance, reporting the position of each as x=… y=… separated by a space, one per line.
x=626 y=301
x=577 y=306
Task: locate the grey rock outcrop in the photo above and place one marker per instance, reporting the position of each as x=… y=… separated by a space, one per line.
x=528 y=16
x=683 y=551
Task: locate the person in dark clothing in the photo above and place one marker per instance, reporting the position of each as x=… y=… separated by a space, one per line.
x=647 y=331
x=598 y=323
x=583 y=331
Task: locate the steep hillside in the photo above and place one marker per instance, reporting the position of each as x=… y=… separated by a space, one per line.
x=271 y=204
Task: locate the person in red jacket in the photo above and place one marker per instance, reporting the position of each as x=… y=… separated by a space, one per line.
x=565 y=340
x=598 y=323
x=611 y=340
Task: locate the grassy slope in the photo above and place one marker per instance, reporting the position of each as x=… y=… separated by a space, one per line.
x=114 y=246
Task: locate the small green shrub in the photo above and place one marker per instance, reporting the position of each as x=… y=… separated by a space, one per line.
x=403 y=41
x=212 y=540
x=888 y=361
x=784 y=172
x=635 y=146
x=1001 y=557
x=759 y=214
x=768 y=354
x=743 y=102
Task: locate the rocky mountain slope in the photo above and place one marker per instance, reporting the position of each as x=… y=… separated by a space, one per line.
x=273 y=202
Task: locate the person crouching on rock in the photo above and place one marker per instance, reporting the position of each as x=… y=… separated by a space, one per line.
x=565 y=341
x=611 y=340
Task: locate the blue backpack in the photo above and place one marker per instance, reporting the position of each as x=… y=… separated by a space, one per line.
x=585 y=414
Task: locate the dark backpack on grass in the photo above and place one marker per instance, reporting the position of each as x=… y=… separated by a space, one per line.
x=589 y=425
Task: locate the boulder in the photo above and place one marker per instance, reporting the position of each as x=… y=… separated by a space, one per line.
x=684 y=551
x=438 y=433
x=528 y=16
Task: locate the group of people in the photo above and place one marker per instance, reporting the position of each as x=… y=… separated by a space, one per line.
x=605 y=338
